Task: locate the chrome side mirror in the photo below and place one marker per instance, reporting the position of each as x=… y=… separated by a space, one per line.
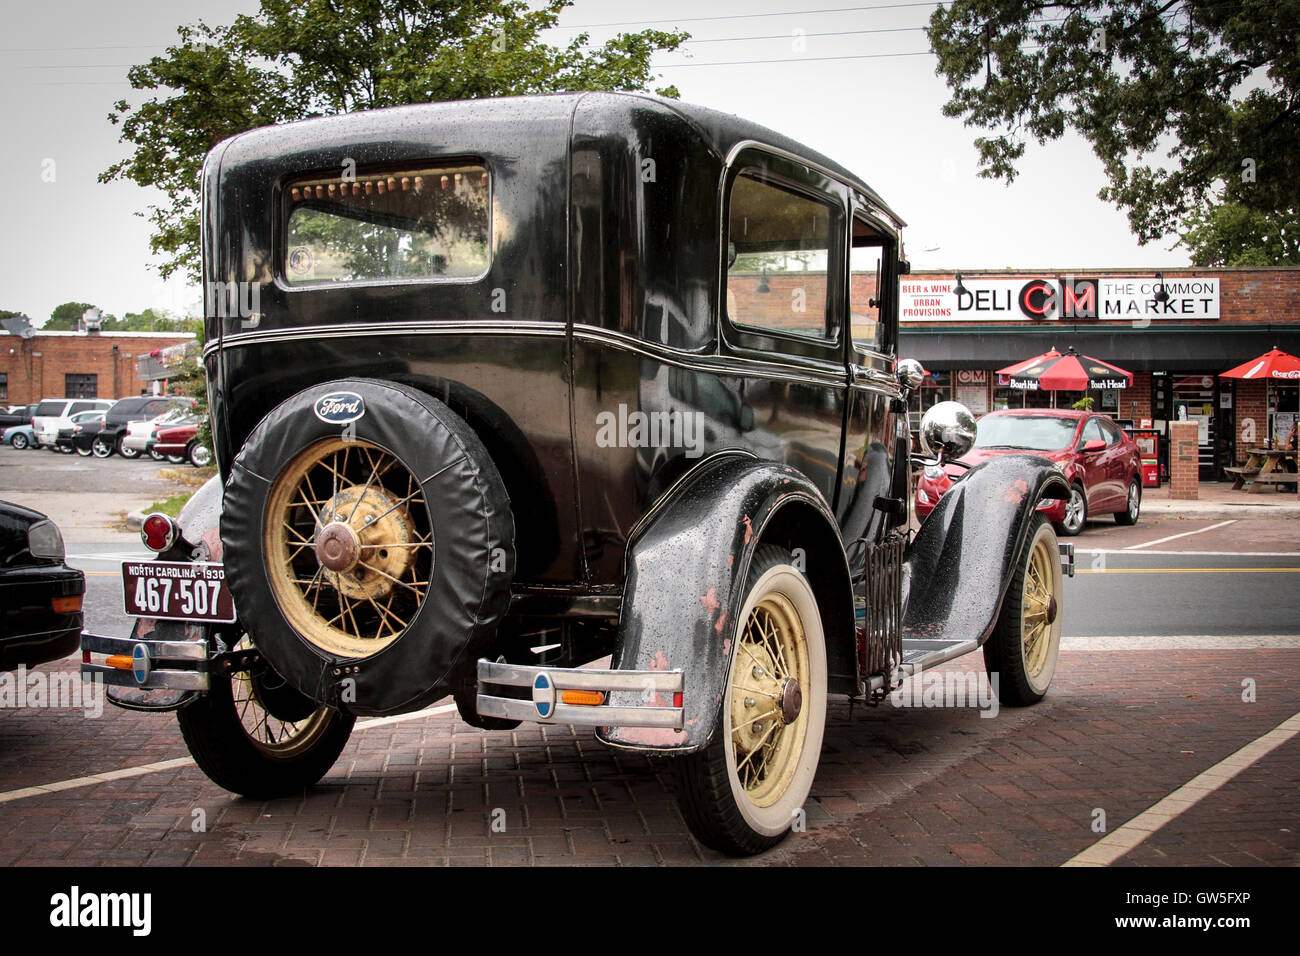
x=948 y=430
x=910 y=373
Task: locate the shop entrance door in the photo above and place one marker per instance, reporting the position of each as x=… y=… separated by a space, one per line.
x=1194 y=400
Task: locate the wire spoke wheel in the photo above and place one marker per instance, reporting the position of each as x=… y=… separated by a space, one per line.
x=1022 y=651
x=349 y=546
x=275 y=736
x=743 y=790
x=766 y=744
x=1038 y=616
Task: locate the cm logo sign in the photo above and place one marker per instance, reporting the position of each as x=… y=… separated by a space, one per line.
x=1068 y=298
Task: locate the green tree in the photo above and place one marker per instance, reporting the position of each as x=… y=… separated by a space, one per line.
x=150 y=320
x=1229 y=234
x=295 y=59
x=65 y=317
x=1191 y=105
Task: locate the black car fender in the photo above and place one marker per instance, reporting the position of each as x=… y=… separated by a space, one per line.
x=958 y=567
x=687 y=565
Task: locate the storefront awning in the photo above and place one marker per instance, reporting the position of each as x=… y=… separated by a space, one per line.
x=1192 y=348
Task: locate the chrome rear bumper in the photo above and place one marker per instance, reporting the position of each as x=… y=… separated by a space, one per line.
x=155 y=665
x=548 y=684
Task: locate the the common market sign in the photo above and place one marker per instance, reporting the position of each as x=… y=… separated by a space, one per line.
x=1120 y=298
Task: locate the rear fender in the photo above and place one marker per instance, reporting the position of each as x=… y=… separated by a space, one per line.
x=961 y=562
x=199 y=540
x=685 y=585
x=200 y=522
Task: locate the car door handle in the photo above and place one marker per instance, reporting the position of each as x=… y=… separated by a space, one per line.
x=863 y=375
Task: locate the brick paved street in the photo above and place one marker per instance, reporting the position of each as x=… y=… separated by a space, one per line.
x=897 y=786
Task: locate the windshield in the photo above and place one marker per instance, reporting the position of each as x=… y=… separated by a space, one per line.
x=1031 y=432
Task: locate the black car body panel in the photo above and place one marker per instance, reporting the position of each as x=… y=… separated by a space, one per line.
x=31 y=630
x=961 y=561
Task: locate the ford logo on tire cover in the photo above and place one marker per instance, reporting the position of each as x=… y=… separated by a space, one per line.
x=339 y=408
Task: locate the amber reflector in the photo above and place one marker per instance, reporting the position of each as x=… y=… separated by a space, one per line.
x=121 y=661
x=66 y=605
x=590 y=698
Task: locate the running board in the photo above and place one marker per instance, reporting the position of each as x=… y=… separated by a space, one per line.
x=919 y=653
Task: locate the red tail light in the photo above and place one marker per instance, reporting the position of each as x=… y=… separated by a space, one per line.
x=158 y=532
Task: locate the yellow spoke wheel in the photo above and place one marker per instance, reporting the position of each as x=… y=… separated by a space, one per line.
x=349 y=546
x=742 y=793
x=1021 y=653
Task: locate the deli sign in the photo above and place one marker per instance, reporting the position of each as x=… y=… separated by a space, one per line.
x=1123 y=298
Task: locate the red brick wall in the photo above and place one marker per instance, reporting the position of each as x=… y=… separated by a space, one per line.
x=36 y=367
x=1250 y=408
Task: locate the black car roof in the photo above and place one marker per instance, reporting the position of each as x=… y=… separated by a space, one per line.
x=724 y=131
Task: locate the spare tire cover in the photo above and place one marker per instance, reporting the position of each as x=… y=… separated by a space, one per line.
x=471 y=551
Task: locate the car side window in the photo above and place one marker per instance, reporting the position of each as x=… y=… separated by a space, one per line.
x=779 y=258
x=1112 y=434
x=1091 y=431
x=867 y=286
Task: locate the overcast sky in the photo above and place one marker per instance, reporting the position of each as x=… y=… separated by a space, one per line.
x=857 y=84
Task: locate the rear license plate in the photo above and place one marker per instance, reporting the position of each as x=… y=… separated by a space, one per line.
x=177 y=591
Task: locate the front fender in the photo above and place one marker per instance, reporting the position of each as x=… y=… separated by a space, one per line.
x=685 y=585
x=959 y=565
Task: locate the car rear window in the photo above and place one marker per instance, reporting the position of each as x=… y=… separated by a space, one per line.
x=430 y=222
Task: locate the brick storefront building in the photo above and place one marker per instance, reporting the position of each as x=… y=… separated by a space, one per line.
x=1209 y=321
x=77 y=364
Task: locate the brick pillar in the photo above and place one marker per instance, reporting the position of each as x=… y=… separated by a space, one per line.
x=1183 y=466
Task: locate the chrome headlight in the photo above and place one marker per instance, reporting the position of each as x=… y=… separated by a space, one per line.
x=948 y=428
x=45 y=541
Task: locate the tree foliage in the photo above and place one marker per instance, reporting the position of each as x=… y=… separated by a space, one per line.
x=295 y=59
x=1191 y=105
x=67 y=316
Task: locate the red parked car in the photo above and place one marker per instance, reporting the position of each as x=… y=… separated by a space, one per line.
x=179 y=443
x=1101 y=463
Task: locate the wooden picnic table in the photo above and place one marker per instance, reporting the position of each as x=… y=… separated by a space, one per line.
x=1265 y=466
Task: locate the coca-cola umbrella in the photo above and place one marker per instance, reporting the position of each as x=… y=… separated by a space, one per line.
x=1273 y=366
x=1068 y=372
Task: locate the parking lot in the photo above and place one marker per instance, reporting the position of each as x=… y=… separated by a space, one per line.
x=1178 y=679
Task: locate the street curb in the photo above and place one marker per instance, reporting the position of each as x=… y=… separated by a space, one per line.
x=1221 y=511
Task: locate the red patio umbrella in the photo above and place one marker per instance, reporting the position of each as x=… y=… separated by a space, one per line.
x=1274 y=365
x=1070 y=372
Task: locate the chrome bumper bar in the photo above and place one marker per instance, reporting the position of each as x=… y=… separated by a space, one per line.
x=631 y=698
x=153 y=663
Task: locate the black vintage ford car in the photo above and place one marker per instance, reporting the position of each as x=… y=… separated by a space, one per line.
x=503 y=388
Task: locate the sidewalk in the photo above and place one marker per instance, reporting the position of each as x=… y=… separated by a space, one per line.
x=1218 y=500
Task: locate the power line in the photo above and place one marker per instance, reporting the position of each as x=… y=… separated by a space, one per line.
x=788 y=59
x=751 y=16
x=786 y=36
